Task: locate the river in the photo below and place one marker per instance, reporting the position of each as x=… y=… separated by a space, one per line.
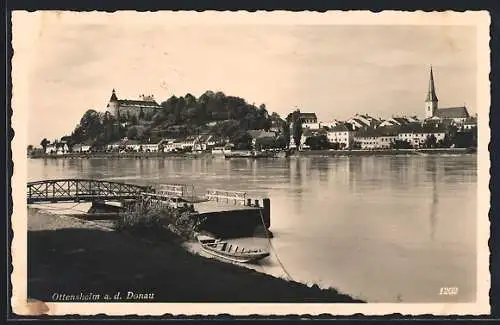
x=380 y=228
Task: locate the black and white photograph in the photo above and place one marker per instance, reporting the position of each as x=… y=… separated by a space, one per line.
x=250 y=163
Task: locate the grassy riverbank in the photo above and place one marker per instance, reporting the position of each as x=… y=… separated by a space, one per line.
x=73 y=257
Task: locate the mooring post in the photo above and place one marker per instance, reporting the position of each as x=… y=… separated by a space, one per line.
x=266 y=212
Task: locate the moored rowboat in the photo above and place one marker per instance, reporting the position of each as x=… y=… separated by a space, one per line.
x=230 y=252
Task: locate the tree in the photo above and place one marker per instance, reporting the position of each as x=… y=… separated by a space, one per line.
x=317 y=142
x=297 y=132
x=286 y=133
x=44 y=143
x=282 y=142
x=430 y=141
x=190 y=100
x=400 y=144
x=243 y=142
x=141 y=114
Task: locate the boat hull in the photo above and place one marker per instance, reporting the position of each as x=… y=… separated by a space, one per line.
x=232 y=258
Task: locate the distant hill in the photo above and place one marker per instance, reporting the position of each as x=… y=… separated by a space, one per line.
x=212 y=113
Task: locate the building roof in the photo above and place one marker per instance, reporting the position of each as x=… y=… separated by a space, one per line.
x=308 y=116
x=340 y=128
x=425 y=128
x=361 y=122
x=471 y=120
x=383 y=131
x=453 y=112
x=400 y=120
x=431 y=93
x=146 y=102
x=139 y=103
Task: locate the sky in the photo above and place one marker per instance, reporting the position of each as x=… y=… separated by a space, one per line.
x=335 y=71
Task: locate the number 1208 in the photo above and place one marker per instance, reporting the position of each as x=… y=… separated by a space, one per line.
x=448 y=291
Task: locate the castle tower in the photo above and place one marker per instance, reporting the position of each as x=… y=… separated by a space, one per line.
x=431 y=102
x=113 y=104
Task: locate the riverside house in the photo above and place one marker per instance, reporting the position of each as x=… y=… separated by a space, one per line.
x=342 y=135
x=150 y=147
x=417 y=134
x=380 y=138
x=470 y=123
x=261 y=137
x=309 y=121
x=201 y=142
x=81 y=148
x=58 y=148
x=174 y=145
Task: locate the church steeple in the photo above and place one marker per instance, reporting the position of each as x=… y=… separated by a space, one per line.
x=431 y=94
x=113 y=96
x=431 y=101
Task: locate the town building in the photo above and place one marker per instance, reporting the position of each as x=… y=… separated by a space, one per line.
x=342 y=135
x=417 y=134
x=57 y=148
x=145 y=106
x=380 y=138
x=81 y=148
x=470 y=123
x=456 y=114
x=261 y=137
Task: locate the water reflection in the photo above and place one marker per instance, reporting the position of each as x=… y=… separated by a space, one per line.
x=431 y=168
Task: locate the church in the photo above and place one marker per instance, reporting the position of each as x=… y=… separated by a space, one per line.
x=130 y=107
x=456 y=114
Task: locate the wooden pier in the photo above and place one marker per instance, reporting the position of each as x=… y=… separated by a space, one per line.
x=228 y=213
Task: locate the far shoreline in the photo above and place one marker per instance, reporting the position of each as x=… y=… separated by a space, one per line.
x=355 y=152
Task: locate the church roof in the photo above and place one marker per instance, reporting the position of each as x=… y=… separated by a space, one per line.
x=453 y=112
x=431 y=93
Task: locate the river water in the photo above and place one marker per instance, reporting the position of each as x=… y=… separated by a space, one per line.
x=380 y=228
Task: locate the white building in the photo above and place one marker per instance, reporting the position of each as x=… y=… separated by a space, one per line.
x=342 y=135
x=59 y=148
x=417 y=135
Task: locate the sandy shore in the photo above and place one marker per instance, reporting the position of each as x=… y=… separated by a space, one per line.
x=76 y=260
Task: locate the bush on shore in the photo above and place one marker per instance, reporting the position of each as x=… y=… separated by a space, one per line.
x=141 y=218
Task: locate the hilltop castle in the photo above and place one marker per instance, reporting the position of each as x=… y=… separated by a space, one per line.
x=457 y=114
x=130 y=107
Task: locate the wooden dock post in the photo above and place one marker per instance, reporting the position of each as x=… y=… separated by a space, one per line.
x=266 y=213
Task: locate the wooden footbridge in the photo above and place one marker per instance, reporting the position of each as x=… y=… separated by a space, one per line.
x=82 y=190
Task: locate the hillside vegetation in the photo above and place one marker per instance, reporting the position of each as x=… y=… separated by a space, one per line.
x=212 y=113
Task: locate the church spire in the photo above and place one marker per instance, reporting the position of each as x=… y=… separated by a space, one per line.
x=431 y=94
x=113 y=97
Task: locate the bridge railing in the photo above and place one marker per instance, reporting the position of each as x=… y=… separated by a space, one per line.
x=81 y=189
x=233 y=197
